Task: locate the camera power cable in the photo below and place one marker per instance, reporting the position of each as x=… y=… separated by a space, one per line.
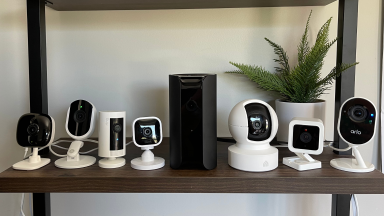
x=355 y=205
x=23 y=194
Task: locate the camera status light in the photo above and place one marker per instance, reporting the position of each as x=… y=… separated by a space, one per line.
x=370 y=121
x=372 y=115
x=117 y=139
x=81 y=107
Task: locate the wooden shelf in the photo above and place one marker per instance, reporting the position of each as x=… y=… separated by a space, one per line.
x=223 y=179
x=85 y=5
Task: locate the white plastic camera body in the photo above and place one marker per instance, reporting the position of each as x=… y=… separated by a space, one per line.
x=147 y=133
x=356 y=126
x=80 y=125
x=33 y=131
x=253 y=124
x=306 y=136
x=112 y=139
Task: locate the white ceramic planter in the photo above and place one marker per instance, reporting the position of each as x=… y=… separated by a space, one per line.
x=287 y=110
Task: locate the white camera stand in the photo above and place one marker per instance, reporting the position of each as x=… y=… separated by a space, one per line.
x=112 y=162
x=73 y=159
x=302 y=162
x=32 y=163
x=356 y=164
x=147 y=161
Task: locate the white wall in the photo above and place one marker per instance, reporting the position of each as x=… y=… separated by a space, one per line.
x=120 y=60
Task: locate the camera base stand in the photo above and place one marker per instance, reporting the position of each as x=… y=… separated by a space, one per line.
x=302 y=162
x=112 y=162
x=84 y=161
x=356 y=164
x=32 y=163
x=147 y=161
x=351 y=165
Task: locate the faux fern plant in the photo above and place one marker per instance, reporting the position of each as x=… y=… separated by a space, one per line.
x=302 y=83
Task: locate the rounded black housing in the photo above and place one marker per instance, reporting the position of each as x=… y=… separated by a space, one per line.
x=147 y=131
x=80 y=117
x=34 y=130
x=259 y=122
x=357 y=121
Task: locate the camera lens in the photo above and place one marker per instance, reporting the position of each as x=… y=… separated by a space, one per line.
x=358 y=113
x=147 y=132
x=33 y=129
x=305 y=137
x=79 y=116
x=117 y=128
x=191 y=105
x=257 y=124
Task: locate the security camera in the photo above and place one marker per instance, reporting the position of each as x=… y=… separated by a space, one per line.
x=33 y=131
x=253 y=124
x=356 y=127
x=112 y=139
x=81 y=119
x=80 y=124
x=147 y=133
x=306 y=136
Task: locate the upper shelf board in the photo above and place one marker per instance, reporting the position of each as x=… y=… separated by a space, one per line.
x=87 y=5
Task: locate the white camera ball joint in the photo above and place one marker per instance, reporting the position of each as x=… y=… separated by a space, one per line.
x=147 y=133
x=253 y=124
x=80 y=124
x=306 y=136
x=356 y=127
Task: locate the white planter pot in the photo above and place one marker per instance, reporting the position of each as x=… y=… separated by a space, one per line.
x=287 y=110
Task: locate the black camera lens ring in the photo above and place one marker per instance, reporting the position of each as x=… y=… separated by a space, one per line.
x=117 y=128
x=358 y=113
x=191 y=105
x=79 y=116
x=147 y=132
x=32 y=129
x=305 y=137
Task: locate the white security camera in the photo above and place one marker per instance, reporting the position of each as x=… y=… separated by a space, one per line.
x=253 y=124
x=80 y=124
x=356 y=127
x=112 y=139
x=147 y=133
x=33 y=131
x=306 y=136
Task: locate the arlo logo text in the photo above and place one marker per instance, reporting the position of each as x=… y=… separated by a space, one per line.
x=356 y=132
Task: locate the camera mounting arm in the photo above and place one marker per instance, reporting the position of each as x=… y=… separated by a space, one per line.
x=305 y=156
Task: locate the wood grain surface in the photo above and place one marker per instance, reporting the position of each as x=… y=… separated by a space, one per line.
x=223 y=179
x=83 y=5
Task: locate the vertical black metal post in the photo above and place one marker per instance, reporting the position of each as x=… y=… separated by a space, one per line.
x=345 y=84
x=38 y=92
x=346 y=53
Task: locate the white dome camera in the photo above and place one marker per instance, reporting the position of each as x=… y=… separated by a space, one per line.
x=80 y=124
x=306 y=136
x=147 y=133
x=356 y=127
x=253 y=124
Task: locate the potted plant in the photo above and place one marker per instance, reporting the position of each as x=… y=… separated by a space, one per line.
x=300 y=86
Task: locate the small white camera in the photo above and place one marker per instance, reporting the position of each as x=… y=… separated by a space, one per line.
x=306 y=136
x=112 y=139
x=147 y=133
x=34 y=130
x=253 y=124
x=356 y=126
x=80 y=124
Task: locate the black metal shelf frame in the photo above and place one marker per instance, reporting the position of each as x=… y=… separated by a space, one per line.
x=37 y=54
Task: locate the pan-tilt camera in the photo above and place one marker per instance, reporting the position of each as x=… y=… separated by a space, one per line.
x=253 y=124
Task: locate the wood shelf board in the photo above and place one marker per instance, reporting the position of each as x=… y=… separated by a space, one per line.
x=85 y=5
x=223 y=179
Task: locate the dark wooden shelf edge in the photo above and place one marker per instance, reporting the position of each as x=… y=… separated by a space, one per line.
x=85 y=5
x=193 y=185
